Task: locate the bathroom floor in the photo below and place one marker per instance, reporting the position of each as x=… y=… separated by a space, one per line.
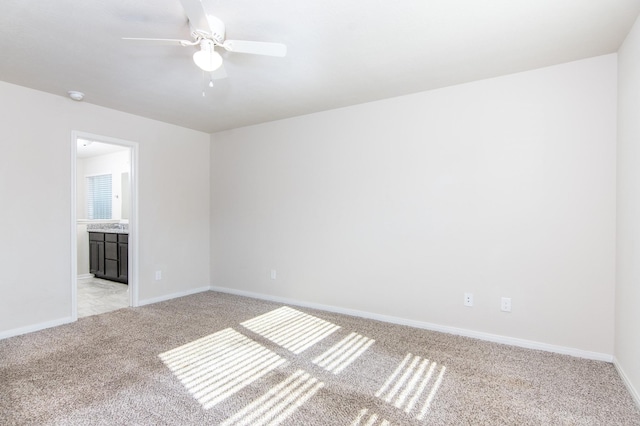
x=96 y=296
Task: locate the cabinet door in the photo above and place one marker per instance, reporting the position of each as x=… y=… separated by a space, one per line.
x=111 y=250
x=110 y=269
x=100 y=270
x=123 y=254
x=96 y=253
x=93 y=257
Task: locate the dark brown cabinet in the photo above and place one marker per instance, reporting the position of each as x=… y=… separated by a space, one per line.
x=123 y=265
x=96 y=253
x=108 y=256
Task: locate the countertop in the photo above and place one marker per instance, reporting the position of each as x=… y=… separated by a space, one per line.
x=108 y=228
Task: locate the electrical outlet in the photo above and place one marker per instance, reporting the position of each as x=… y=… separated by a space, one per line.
x=274 y=274
x=468 y=299
x=158 y=275
x=505 y=304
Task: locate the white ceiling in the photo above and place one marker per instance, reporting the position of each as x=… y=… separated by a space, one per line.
x=340 y=52
x=87 y=149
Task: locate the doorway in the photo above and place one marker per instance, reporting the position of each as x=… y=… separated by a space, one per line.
x=104 y=207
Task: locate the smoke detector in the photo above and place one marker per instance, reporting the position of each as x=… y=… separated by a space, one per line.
x=75 y=95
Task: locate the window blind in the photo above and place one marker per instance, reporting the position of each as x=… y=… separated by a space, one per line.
x=99 y=197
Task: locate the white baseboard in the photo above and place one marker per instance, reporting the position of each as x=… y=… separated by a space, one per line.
x=67 y=320
x=529 y=344
x=632 y=390
x=85 y=276
x=172 y=296
x=35 y=327
x=364 y=314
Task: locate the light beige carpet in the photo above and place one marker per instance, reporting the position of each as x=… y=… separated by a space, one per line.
x=214 y=358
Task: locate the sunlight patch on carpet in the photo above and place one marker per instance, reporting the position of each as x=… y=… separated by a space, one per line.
x=217 y=366
x=411 y=386
x=369 y=419
x=343 y=353
x=291 y=329
x=279 y=402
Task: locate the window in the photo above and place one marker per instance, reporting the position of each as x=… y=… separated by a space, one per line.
x=99 y=197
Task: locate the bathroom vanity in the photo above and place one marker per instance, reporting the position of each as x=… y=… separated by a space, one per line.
x=109 y=254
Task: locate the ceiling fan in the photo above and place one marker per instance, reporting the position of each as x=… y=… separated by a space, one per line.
x=208 y=32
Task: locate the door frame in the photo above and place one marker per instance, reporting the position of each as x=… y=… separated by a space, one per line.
x=133 y=262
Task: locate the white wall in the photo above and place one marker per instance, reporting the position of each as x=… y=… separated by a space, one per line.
x=82 y=236
x=82 y=243
x=627 y=345
x=502 y=187
x=35 y=184
x=81 y=198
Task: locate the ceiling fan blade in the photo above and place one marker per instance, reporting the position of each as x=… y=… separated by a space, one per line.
x=194 y=11
x=161 y=41
x=201 y=18
x=256 y=47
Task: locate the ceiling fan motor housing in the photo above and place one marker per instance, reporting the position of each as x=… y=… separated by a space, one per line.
x=217 y=30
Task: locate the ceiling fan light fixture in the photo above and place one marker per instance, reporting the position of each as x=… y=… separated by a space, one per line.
x=207 y=58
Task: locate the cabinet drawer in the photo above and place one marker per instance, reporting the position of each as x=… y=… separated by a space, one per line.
x=123 y=238
x=111 y=238
x=96 y=236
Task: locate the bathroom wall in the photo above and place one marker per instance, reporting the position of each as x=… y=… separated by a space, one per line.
x=115 y=164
